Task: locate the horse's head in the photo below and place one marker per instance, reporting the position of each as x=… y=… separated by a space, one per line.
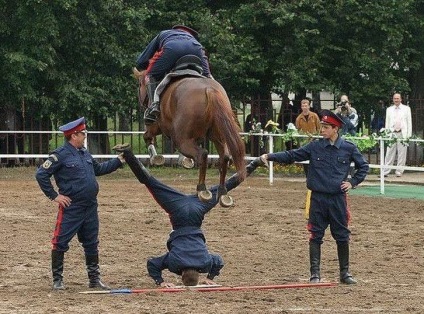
x=140 y=76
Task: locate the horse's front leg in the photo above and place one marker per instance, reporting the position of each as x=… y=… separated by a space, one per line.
x=155 y=158
x=187 y=163
x=202 y=192
x=225 y=200
x=191 y=150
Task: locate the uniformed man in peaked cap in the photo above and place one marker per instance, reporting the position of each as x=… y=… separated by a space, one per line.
x=329 y=162
x=330 y=118
x=75 y=171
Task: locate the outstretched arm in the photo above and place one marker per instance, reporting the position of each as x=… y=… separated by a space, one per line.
x=155 y=266
x=217 y=265
x=234 y=180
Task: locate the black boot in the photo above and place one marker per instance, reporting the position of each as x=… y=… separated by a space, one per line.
x=315 y=260
x=136 y=166
x=93 y=270
x=57 y=269
x=152 y=110
x=343 y=254
x=253 y=165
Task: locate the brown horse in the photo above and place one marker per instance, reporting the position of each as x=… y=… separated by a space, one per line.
x=194 y=109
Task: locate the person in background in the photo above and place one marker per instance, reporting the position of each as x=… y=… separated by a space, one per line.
x=399 y=121
x=349 y=115
x=160 y=56
x=75 y=171
x=307 y=122
x=187 y=254
x=329 y=162
x=378 y=118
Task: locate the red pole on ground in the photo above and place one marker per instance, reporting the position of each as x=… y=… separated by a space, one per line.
x=215 y=289
x=268 y=287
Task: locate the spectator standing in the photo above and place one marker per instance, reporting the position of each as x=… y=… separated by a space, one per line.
x=378 y=117
x=307 y=122
x=399 y=121
x=345 y=111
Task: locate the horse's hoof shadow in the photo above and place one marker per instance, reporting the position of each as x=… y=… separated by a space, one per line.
x=226 y=201
x=157 y=160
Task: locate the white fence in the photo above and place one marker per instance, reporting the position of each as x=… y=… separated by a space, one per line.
x=380 y=166
x=270 y=139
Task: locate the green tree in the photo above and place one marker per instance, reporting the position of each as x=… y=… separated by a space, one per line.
x=71 y=58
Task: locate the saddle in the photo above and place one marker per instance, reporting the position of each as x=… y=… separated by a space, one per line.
x=188 y=62
x=189 y=65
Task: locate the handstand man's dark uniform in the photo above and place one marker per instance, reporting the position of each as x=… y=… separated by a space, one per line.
x=186 y=245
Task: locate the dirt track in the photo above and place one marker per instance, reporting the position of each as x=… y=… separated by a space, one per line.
x=262 y=239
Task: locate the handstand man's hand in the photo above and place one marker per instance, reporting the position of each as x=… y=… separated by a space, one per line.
x=208 y=282
x=121 y=158
x=167 y=285
x=264 y=160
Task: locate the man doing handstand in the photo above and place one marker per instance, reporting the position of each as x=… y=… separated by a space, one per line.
x=187 y=254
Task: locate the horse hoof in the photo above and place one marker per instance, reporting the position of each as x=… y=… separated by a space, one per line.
x=204 y=196
x=157 y=160
x=226 y=201
x=187 y=163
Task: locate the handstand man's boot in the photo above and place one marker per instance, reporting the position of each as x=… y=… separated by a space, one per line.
x=315 y=260
x=152 y=110
x=255 y=163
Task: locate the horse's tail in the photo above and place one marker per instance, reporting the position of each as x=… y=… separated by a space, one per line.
x=227 y=128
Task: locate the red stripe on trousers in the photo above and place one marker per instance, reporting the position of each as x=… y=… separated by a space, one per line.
x=58 y=227
x=348 y=213
x=152 y=61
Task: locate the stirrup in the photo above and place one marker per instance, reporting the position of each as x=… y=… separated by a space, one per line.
x=151 y=113
x=149 y=118
x=154 y=109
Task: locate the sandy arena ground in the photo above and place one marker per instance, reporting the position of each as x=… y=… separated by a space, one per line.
x=262 y=239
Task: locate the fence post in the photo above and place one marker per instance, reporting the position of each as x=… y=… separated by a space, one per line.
x=271 y=150
x=382 y=162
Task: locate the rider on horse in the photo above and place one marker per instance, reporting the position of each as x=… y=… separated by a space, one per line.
x=160 y=56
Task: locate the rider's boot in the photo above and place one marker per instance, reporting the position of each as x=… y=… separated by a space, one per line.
x=152 y=111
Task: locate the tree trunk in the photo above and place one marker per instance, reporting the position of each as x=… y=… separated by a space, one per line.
x=99 y=143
